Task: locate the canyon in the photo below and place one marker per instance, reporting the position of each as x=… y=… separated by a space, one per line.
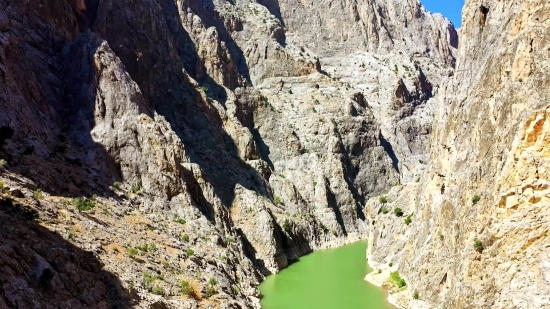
x=174 y=153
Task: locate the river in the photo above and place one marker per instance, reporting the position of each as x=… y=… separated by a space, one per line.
x=325 y=279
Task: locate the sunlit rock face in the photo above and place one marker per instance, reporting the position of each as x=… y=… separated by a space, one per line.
x=181 y=141
x=479 y=231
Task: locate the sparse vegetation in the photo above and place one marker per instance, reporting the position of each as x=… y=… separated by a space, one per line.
x=290 y=91
x=158 y=290
x=398 y=212
x=3 y=163
x=135 y=189
x=83 y=204
x=475 y=199
x=276 y=199
x=185 y=238
x=38 y=194
x=440 y=235
x=415 y=295
x=286 y=225
x=384 y=210
x=383 y=200
x=1 y=185
x=390 y=264
x=418 y=179
x=117 y=185
x=186 y=288
x=204 y=89
x=397 y=280
x=408 y=219
x=132 y=252
x=179 y=220
x=478 y=245
x=189 y=252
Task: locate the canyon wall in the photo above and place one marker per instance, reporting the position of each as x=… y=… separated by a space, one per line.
x=478 y=230
x=170 y=154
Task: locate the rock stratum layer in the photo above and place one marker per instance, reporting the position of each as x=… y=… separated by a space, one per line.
x=478 y=236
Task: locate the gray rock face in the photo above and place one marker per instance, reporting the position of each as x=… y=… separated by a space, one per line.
x=479 y=217
x=225 y=134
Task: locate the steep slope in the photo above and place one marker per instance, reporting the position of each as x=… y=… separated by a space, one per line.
x=479 y=231
x=182 y=141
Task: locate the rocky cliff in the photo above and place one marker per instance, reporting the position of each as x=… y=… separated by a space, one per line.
x=478 y=230
x=171 y=153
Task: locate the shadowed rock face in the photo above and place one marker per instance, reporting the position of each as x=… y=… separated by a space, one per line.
x=213 y=140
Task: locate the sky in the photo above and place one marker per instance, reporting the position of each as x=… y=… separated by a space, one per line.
x=452 y=9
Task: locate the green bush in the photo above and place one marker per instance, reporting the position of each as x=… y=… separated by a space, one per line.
x=418 y=179
x=189 y=252
x=384 y=210
x=391 y=264
x=210 y=291
x=212 y=281
x=38 y=194
x=186 y=288
x=415 y=295
x=383 y=200
x=83 y=204
x=132 y=252
x=148 y=280
x=204 y=89
x=475 y=199
x=286 y=225
x=179 y=220
x=135 y=189
x=398 y=212
x=408 y=220
x=276 y=199
x=3 y=163
x=158 y=290
x=397 y=280
x=117 y=185
x=185 y=238
x=478 y=245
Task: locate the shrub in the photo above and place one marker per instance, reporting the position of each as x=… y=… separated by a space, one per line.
x=210 y=291
x=277 y=199
x=83 y=204
x=440 y=235
x=152 y=248
x=132 y=252
x=38 y=194
x=398 y=212
x=475 y=199
x=478 y=245
x=418 y=179
x=408 y=220
x=3 y=163
x=179 y=220
x=212 y=281
x=415 y=295
x=148 y=280
x=189 y=252
x=158 y=290
x=117 y=185
x=383 y=200
x=384 y=210
x=391 y=264
x=204 y=89
x=290 y=91
x=397 y=280
x=186 y=288
x=135 y=189
x=185 y=238
x=286 y=225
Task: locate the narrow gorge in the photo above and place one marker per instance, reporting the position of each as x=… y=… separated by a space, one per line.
x=174 y=153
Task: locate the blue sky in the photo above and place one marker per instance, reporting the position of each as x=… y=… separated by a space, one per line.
x=452 y=9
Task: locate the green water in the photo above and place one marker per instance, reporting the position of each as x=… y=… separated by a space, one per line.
x=327 y=279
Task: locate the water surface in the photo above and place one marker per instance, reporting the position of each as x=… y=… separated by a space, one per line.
x=326 y=279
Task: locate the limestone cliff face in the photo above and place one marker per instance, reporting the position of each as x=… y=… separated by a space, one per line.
x=211 y=142
x=487 y=179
